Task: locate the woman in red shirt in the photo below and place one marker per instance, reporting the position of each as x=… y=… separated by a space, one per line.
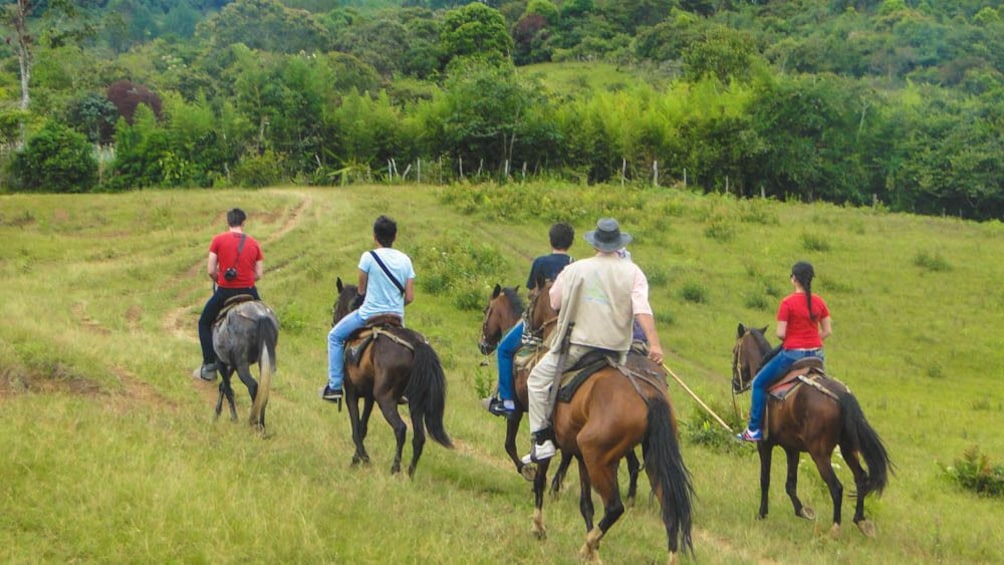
x=803 y=322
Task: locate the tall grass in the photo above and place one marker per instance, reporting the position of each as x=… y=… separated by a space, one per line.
x=111 y=453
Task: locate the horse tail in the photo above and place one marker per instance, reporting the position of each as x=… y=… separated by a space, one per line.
x=426 y=391
x=666 y=471
x=268 y=337
x=863 y=438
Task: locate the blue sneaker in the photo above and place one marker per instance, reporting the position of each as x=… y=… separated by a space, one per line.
x=750 y=435
x=501 y=407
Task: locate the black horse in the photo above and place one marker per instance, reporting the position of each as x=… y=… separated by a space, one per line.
x=397 y=363
x=247 y=333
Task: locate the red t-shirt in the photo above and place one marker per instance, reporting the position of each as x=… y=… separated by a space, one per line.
x=225 y=246
x=802 y=332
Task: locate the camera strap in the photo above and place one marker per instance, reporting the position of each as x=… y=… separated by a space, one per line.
x=240 y=247
x=386 y=271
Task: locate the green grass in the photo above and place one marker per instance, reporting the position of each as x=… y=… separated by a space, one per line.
x=111 y=453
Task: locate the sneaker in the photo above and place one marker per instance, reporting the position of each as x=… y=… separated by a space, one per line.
x=206 y=372
x=331 y=394
x=750 y=435
x=540 y=452
x=500 y=407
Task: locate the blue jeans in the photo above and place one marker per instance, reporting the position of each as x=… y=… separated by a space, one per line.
x=336 y=347
x=768 y=375
x=209 y=313
x=510 y=343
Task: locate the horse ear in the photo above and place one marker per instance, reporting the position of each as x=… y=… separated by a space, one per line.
x=497 y=291
x=338 y=285
x=763 y=330
x=741 y=331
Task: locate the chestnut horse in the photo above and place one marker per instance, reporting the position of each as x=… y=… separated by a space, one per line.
x=246 y=332
x=814 y=417
x=502 y=313
x=613 y=411
x=397 y=362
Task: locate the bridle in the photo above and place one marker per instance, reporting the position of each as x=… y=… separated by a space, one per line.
x=739 y=385
x=488 y=343
x=538 y=332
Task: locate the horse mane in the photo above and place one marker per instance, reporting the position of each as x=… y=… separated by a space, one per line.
x=761 y=340
x=515 y=302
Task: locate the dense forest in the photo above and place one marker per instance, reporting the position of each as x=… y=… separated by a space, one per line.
x=892 y=103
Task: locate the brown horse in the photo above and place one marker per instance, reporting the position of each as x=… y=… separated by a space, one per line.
x=502 y=313
x=397 y=362
x=814 y=417
x=613 y=411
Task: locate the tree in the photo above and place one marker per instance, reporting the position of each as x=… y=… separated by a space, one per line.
x=56 y=159
x=127 y=96
x=475 y=30
x=265 y=25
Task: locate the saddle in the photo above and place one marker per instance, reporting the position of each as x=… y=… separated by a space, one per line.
x=230 y=304
x=364 y=336
x=590 y=363
x=795 y=376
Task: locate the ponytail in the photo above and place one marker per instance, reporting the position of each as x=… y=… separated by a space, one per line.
x=803 y=273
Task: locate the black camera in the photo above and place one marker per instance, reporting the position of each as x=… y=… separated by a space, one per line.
x=230 y=274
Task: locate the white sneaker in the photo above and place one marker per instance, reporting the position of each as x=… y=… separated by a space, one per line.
x=540 y=452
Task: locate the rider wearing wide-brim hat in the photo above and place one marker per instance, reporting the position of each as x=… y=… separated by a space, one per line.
x=598 y=300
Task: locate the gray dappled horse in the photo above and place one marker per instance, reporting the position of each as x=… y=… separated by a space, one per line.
x=246 y=334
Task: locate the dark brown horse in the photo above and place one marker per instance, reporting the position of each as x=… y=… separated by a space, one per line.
x=397 y=363
x=246 y=333
x=503 y=312
x=815 y=417
x=613 y=411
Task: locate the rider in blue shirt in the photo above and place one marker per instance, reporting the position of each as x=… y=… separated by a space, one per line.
x=546 y=266
x=382 y=296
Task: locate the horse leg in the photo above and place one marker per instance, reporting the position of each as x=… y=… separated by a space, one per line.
x=559 y=475
x=791 y=486
x=822 y=461
x=389 y=409
x=861 y=486
x=585 y=495
x=512 y=422
x=539 y=485
x=634 y=468
x=602 y=473
x=358 y=425
x=765 y=450
x=244 y=372
x=226 y=372
x=417 y=441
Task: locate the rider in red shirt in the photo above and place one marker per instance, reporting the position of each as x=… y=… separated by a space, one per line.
x=234 y=264
x=803 y=322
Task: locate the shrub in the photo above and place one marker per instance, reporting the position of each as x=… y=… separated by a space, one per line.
x=56 y=159
x=975 y=472
x=693 y=292
x=813 y=242
x=257 y=171
x=933 y=262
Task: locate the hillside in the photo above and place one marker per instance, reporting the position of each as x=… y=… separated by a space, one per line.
x=112 y=454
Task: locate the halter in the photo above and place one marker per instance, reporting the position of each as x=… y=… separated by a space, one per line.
x=738 y=386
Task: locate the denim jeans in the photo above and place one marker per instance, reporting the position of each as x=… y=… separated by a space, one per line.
x=336 y=347
x=768 y=375
x=510 y=343
x=209 y=313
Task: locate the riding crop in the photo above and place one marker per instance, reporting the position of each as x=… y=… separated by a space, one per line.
x=694 y=396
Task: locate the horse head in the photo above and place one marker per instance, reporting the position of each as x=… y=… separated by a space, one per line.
x=747 y=356
x=344 y=301
x=503 y=311
x=542 y=317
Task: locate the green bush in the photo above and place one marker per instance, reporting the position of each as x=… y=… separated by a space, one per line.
x=56 y=159
x=694 y=292
x=975 y=472
x=813 y=242
x=933 y=262
x=257 y=171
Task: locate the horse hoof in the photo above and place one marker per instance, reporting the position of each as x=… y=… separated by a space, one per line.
x=867 y=528
x=835 y=531
x=529 y=472
x=807 y=513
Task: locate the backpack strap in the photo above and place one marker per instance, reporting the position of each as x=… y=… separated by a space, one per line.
x=387 y=272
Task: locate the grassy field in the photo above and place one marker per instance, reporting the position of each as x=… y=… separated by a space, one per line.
x=111 y=453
